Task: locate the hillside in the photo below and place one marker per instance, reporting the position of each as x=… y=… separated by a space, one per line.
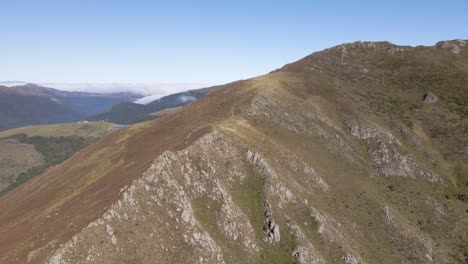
x=26 y=152
x=31 y=104
x=87 y=130
x=16 y=158
x=341 y=157
x=18 y=109
x=132 y=113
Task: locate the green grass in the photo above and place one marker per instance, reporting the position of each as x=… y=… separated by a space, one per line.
x=87 y=130
x=250 y=197
x=56 y=143
x=16 y=158
x=54 y=149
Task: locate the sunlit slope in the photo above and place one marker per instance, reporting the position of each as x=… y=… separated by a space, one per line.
x=337 y=158
x=88 y=130
x=27 y=151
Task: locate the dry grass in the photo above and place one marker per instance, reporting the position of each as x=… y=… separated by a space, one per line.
x=86 y=130
x=300 y=100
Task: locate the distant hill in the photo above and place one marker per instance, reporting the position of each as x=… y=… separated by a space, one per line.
x=31 y=104
x=131 y=113
x=87 y=130
x=20 y=109
x=12 y=83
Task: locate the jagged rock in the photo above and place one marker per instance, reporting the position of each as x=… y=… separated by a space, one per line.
x=253 y=157
x=454 y=46
x=389 y=155
x=304 y=252
x=409 y=233
x=394 y=50
x=272 y=233
x=349 y=259
x=430 y=98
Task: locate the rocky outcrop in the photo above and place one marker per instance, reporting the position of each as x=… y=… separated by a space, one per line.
x=394 y=50
x=272 y=232
x=389 y=156
x=406 y=233
x=305 y=251
x=168 y=209
x=454 y=46
x=430 y=98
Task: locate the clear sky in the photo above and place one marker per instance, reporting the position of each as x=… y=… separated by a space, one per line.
x=200 y=41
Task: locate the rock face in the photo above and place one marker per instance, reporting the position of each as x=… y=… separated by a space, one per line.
x=454 y=46
x=388 y=153
x=272 y=233
x=331 y=159
x=430 y=98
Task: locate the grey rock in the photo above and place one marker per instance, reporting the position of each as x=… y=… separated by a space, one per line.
x=455 y=46
x=394 y=50
x=430 y=98
x=272 y=233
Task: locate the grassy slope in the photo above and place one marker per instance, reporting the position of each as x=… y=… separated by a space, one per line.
x=98 y=172
x=16 y=158
x=72 y=194
x=86 y=130
x=37 y=148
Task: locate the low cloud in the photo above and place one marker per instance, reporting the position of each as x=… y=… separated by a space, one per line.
x=150 y=91
x=186 y=98
x=147 y=89
x=148 y=99
x=151 y=98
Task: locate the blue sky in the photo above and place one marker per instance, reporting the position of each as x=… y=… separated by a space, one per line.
x=200 y=41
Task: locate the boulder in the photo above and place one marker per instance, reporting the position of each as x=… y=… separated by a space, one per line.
x=430 y=98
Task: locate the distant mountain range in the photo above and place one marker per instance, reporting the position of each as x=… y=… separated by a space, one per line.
x=32 y=104
x=130 y=113
x=145 y=88
x=12 y=83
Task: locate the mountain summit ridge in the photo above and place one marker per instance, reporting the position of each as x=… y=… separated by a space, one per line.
x=335 y=158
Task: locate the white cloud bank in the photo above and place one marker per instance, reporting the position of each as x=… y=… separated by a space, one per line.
x=151 y=91
x=151 y=98
x=140 y=88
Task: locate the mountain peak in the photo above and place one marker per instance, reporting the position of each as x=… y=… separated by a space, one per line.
x=311 y=164
x=358 y=55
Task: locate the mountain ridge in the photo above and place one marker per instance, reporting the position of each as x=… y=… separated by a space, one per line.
x=32 y=104
x=313 y=163
x=130 y=113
